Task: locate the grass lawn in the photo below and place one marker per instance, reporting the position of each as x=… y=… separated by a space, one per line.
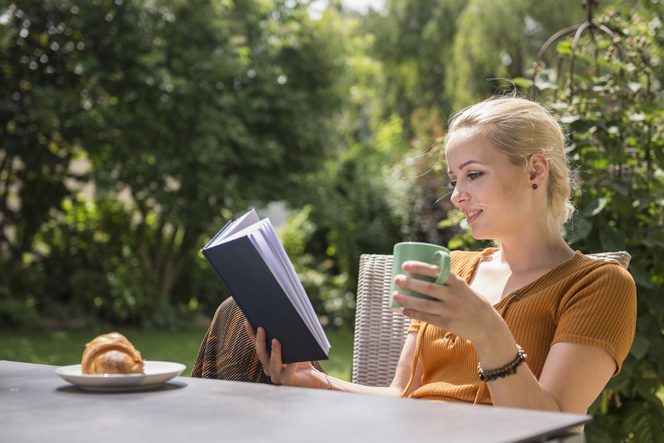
x=64 y=347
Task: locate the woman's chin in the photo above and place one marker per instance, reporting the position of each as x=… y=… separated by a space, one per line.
x=478 y=234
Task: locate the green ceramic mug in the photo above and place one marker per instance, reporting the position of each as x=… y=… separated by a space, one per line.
x=424 y=252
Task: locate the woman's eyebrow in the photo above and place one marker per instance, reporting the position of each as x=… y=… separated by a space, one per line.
x=463 y=165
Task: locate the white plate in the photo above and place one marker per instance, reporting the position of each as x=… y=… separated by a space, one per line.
x=156 y=373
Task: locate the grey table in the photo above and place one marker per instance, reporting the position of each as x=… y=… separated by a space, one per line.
x=38 y=406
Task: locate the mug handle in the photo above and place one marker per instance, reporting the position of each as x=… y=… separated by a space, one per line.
x=444 y=263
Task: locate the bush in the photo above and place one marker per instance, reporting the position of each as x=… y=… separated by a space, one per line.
x=615 y=125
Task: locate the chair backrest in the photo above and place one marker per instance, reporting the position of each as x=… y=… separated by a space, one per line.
x=379 y=332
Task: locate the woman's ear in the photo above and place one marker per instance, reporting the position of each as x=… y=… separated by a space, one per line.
x=538 y=165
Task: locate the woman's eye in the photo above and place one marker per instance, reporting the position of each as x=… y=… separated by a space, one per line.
x=474 y=175
x=452 y=183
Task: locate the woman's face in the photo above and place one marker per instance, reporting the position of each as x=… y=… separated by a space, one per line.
x=493 y=193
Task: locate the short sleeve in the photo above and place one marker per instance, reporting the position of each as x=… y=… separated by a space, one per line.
x=600 y=311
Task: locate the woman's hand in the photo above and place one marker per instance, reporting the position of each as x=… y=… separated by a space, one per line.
x=456 y=307
x=293 y=374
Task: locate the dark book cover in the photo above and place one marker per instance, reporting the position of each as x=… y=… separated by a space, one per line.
x=254 y=287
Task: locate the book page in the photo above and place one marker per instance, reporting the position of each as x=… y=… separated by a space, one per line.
x=304 y=299
x=235 y=228
x=266 y=248
x=282 y=271
x=271 y=249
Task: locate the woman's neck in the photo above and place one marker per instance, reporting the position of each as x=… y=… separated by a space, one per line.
x=534 y=250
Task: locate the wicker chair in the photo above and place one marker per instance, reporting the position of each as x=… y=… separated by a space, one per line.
x=379 y=332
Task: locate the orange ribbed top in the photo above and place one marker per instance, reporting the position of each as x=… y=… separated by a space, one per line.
x=583 y=301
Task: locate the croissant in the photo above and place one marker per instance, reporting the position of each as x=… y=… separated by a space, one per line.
x=111 y=354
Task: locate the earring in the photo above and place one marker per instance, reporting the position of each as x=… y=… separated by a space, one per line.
x=534 y=186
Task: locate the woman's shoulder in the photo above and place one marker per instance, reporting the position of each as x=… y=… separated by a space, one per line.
x=599 y=266
x=597 y=275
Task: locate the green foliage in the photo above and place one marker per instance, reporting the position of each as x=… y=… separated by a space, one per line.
x=40 y=101
x=186 y=112
x=359 y=201
x=497 y=40
x=414 y=43
x=615 y=122
x=615 y=126
x=98 y=268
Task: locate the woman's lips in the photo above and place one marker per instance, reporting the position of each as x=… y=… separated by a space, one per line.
x=472 y=216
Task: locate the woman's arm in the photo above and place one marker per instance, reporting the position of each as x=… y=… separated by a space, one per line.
x=573 y=374
x=572 y=378
x=305 y=375
x=401 y=376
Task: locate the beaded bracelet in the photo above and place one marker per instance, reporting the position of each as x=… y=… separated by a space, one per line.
x=509 y=369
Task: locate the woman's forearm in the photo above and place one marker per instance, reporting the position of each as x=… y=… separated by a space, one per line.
x=519 y=390
x=399 y=382
x=336 y=384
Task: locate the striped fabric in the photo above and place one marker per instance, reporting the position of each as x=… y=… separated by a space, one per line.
x=582 y=301
x=227 y=353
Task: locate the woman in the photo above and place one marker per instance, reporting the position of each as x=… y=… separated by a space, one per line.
x=529 y=298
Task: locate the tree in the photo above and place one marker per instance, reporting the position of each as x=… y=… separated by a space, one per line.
x=187 y=111
x=39 y=103
x=496 y=42
x=612 y=107
x=414 y=43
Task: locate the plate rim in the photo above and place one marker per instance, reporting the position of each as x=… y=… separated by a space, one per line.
x=110 y=382
x=61 y=370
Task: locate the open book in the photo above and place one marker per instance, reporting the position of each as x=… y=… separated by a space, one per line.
x=252 y=264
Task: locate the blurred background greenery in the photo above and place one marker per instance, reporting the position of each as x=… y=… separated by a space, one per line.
x=130 y=131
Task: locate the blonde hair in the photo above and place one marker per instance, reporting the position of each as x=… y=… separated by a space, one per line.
x=520 y=128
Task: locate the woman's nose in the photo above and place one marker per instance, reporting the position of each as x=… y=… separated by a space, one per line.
x=457 y=196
